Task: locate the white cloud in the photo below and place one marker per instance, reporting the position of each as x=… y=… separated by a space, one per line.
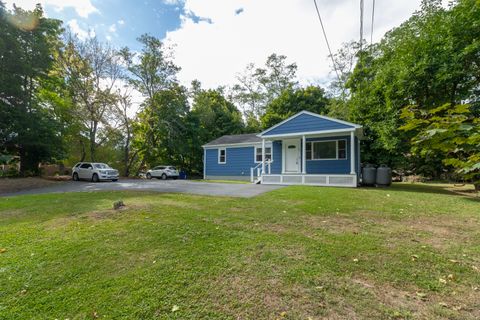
x=215 y=52
x=112 y=28
x=172 y=2
x=82 y=34
x=83 y=7
x=121 y=22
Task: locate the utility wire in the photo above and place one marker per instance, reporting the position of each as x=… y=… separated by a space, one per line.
x=373 y=19
x=326 y=40
x=361 y=23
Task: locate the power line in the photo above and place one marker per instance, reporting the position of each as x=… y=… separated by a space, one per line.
x=361 y=23
x=326 y=40
x=373 y=19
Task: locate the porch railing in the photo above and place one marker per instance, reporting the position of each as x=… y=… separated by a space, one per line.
x=256 y=172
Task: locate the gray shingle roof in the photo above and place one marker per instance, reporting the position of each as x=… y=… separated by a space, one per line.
x=235 y=138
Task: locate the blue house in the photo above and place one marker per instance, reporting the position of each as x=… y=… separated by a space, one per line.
x=306 y=148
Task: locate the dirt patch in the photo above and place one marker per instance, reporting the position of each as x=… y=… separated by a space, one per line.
x=245 y=297
x=333 y=224
x=440 y=232
x=9 y=185
x=420 y=305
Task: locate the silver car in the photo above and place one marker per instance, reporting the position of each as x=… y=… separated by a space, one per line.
x=94 y=171
x=163 y=172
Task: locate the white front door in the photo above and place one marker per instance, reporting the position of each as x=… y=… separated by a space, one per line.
x=292 y=155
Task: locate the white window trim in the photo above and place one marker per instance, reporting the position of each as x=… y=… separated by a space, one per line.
x=266 y=146
x=336 y=149
x=219 y=150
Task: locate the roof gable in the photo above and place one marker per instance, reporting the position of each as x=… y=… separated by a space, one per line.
x=305 y=122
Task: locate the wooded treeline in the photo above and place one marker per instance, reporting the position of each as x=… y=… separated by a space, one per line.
x=63 y=99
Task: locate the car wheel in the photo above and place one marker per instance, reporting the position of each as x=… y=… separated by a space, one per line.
x=149 y=176
x=95 y=177
x=164 y=176
x=75 y=176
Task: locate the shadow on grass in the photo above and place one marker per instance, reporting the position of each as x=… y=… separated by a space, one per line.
x=432 y=188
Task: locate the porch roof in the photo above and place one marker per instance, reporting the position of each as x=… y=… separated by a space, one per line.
x=308 y=123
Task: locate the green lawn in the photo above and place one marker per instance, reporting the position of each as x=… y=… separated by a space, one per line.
x=407 y=252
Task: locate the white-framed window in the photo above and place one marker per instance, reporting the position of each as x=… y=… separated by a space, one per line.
x=258 y=154
x=326 y=150
x=222 y=155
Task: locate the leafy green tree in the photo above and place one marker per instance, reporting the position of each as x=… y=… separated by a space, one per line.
x=452 y=132
x=160 y=127
x=154 y=71
x=292 y=101
x=212 y=116
x=257 y=87
x=29 y=128
x=91 y=70
x=428 y=61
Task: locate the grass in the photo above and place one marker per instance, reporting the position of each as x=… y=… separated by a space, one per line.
x=406 y=252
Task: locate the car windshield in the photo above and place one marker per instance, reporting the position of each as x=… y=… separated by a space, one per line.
x=172 y=168
x=101 y=166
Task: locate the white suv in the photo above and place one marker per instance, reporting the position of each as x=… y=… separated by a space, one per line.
x=162 y=172
x=94 y=172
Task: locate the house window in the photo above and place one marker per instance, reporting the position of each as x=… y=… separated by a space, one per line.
x=326 y=150
x=222 y=155
x=258 y=154
x=342 y=149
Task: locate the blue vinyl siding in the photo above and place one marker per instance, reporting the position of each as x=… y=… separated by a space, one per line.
x=306 y=123
x=239 y=162
x=340 y=166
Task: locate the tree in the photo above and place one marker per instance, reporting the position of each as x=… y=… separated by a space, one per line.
x=160 y=129
x=125 y=128
x=154 y=70
x=212 y=116
x=257 y=87
x=451 y=131
x=428 y=61
x=28 y=43
x=293 y=101
x=91 y=69
x=153 y=74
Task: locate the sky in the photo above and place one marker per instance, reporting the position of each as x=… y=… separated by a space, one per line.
x=214 y=40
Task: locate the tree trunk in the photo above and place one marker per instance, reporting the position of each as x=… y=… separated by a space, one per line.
x=93 y=134
x=83 y=152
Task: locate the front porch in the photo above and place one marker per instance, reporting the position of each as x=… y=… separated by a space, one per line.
x=307 y=156
x=333 y=180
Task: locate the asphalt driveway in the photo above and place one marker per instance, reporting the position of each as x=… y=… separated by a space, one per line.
x=172 y=186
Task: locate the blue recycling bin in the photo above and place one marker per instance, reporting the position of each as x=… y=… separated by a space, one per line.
x=182 y=175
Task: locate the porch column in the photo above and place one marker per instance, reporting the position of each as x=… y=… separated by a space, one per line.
x=263 y=156
x=352 y=152
x=304 y=153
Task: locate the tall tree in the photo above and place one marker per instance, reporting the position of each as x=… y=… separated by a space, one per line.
x=212 y=116
x=293 y=101
x=28 y=43
x=430 y=60
x=160 y=129
x=257 y=87
x=153 y=69
x=92 y=69
x=122 y=113
x=153 y=73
